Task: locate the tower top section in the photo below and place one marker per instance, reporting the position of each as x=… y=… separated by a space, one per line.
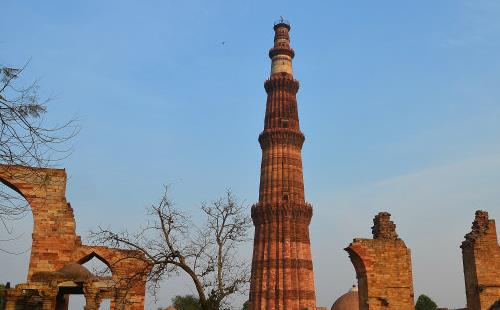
x=281 y=53
x=282 y=23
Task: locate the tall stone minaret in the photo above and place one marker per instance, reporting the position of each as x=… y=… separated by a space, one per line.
x=282 y=270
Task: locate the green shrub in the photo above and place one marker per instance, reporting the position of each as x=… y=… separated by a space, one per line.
x=425 y=303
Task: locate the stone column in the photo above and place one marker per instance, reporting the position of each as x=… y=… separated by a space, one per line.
x=92 y=298
x=11 y=298
x=49 y=298
x=119 y=301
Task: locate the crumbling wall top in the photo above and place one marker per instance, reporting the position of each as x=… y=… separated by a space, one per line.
x=479 y=226
x=383 y=228
x=481 y=258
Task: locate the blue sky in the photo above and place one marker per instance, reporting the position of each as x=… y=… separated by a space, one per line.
x=399 y=102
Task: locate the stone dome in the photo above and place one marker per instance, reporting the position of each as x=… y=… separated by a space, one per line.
x=75 y=272
x=348 y=301
x=71 y=272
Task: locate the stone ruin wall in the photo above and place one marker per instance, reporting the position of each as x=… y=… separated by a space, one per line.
x=54 y=236
x=55 y=243
x=481 y=261
x=383 y=268
x=382 y=264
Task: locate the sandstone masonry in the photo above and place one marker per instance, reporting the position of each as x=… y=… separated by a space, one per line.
x=282 y=269
x=57 y=252
x=383 y=268
x=481 y=260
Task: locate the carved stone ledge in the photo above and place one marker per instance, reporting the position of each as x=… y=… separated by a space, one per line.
x=281 y=136
x=267 y=214
x=282 y=81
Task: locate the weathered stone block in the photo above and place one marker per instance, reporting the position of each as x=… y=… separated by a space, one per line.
x=481 y=261
x=383 y=268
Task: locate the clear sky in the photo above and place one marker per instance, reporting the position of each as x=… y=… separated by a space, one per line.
x=399 y=102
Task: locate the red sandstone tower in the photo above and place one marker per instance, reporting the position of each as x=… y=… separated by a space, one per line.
x=282 y=270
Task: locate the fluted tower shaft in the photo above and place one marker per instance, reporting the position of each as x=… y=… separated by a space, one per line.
x=282 y=271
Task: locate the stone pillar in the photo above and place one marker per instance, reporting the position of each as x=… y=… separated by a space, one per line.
x=119 y=302
x=49 y=299
x=481 y=261
x=92 y=298
x=383 y=268
x=11 y=298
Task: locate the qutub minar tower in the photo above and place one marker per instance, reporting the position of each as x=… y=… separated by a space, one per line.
x=282 y=269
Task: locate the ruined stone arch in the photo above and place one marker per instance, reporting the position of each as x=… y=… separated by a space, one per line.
x=10 y=183
x=357 y=261
x=16 y=226
x=383 y=268
x=31 y=182
x=13 y=187
x=56 y=248
x=101 y=259
x=93 y=254
x=361 y=275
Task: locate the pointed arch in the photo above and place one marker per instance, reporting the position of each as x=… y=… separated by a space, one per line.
x=92 y=255
x=97 y=265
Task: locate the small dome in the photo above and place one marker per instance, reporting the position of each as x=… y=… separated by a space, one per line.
x=75 y=272
x=348 y=301
x=71 y=272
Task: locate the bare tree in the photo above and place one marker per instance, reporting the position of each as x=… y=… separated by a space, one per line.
x=25 y=137
x=207 y=254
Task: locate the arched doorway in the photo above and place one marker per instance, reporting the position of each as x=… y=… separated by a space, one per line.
x=55 y=268
x=75 y=297
x=97 y=266
x=77 y=302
